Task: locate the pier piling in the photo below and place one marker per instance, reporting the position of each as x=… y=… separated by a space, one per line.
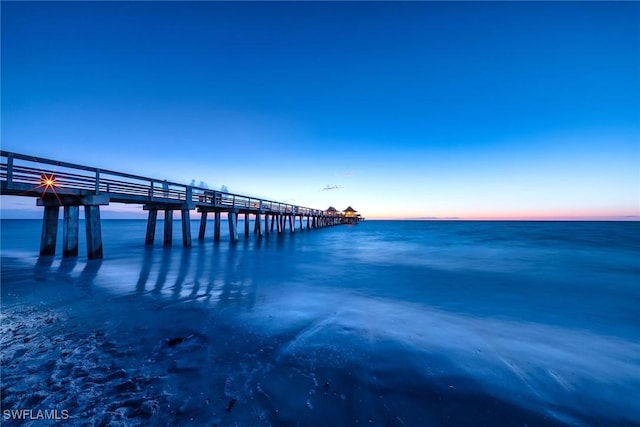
x=266 y=223
x=258 y=224
x=216 y=225
x=233 y=226
x=94 y=231
x=49 y=230
x=168 y=227
x=70 y=228
x=151 y=227
x=186 y=228
x=203 y=225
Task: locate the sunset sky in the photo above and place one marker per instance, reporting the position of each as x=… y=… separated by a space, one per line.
x=405 y=110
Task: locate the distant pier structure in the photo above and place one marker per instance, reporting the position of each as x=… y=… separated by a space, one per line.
x=71 y=186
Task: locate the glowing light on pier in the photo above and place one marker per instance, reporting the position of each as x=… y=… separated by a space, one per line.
x=48 y=182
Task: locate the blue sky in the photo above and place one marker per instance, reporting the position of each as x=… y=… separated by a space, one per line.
x=417 y=109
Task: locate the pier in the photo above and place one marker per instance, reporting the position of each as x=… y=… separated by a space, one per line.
x=71 y=186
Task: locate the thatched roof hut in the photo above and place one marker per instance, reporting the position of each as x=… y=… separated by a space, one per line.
x=331 y=211
x=349 y=211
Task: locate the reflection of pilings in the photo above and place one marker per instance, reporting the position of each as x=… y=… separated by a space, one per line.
x=146 y=269
x=199 y=269
x=165 y=263
x=43 y=270
x=49 y=230
x=90 y=271
x=185 y=262
x=66 y=266
x=218 y=273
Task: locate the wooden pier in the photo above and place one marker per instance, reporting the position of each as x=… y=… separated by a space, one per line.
x=58 y=184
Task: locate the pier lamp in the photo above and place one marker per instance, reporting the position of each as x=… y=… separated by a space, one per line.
x=48 y=182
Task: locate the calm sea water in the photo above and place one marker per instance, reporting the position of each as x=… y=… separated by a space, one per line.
x=393 y=323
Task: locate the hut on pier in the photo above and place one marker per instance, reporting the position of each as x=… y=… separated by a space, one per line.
x=332 y=211
x=351 y=215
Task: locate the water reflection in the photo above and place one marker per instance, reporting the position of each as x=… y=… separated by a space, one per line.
x=216 y=274
x=44 y=269
x=67 y=265
x=165 y=263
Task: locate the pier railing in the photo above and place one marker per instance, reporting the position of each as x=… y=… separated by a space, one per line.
x=25 y=175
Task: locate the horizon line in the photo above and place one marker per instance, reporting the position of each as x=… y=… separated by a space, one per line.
x=628 y=218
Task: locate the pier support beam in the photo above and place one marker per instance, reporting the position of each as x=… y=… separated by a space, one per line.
x=246 y=225
x=70 y=226
x=216 y=225
x=203 y=225
x=151 y=227
x=292 y=223
x=49 y=230
x=266 y=224
x=168 y=227
x=233 y=226
x=186 y=228
x=94 y=231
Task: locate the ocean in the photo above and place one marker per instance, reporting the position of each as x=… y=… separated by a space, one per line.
x=383 y=323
